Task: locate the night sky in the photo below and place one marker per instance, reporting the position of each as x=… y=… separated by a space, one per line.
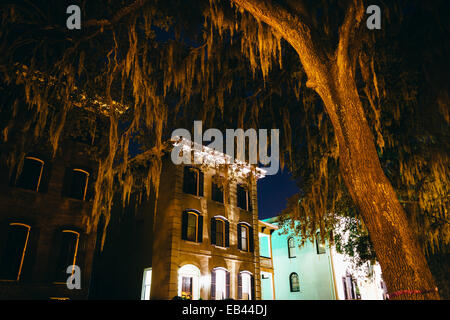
x=273 y=192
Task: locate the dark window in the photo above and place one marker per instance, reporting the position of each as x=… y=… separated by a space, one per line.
x=220 y=232
x=243 y=198
x=291 y=247
x=76 y=183
x=14 y=251
x=31 y=174
x=193 y=181
x=216 y=193
x=319 y=245
x=191 y=226
x=67 y=254
x=294 y=282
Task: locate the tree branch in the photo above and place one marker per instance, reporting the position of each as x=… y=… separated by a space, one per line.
x=296 y=32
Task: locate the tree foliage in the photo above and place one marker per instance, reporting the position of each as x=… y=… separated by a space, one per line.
x=151 y=66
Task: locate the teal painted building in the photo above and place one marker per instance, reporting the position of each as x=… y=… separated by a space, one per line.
x=300 y=273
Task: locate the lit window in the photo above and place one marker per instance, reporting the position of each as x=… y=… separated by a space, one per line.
x=192 y=226
x=67 y=254
x=14 y=252
x=244 y=238
x=146 y=284
x=220 y=284
x=220 y=232
x=291 y=247
x=189 y=282
x=244 y=286
x=193 y=181
x=31 y=174
x=294 y=282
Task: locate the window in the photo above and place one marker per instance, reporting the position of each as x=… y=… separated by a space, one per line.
x=67 y=254
x=349 y=287
x=220 y=284
x=264 y=245
x=216 y=193
x=245 y=237
x=14 y=252
x=294 y=282
x=291 y=247
x=146 y=284
x=191 y=226
x=220 y=232
x=243 y=198
x=189 y=282
x=319 y=245
x=193 y=181
x=220 y=229
x=31 y=174
x=245 y=286
x=76 y=183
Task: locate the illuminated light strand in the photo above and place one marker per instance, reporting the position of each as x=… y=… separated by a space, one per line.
x=402 y=292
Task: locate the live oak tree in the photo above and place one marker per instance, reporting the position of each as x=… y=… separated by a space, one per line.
x=151 y=66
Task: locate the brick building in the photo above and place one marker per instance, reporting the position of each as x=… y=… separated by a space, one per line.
x=45 y=204
x=198 y=240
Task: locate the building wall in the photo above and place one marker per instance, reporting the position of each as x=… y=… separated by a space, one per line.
x=48 y=213
x=170 y=252
x=159 y=246
x=266 y=263
x=314 y=270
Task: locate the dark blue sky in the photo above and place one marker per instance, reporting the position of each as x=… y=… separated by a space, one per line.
x=273 y=192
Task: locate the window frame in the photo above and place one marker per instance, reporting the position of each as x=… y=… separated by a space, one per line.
x=291 y=282
x=86 y=182
x=247 y=232
x=222 y=222
x=189 y=212
x=291 y=253
x=25 y=245
x=42 y=162
x=75 y=254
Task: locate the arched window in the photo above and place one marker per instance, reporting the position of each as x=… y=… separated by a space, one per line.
x=191 y=226
x=31 y=174
x=220 y=229
x=189 y=282
x=291 y=247
x=245 y=286
x=245 y=237
x=220 y=284
x=68 y=250
x=13 y=253
x=319 y=245
x=294 y=282
x=76 y=183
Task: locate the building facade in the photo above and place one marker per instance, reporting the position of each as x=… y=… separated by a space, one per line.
x=198 y=240
x=45 y=203
x=301 y=273
x=265 y=252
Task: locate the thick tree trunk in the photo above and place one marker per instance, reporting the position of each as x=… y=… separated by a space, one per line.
x=403 y=263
